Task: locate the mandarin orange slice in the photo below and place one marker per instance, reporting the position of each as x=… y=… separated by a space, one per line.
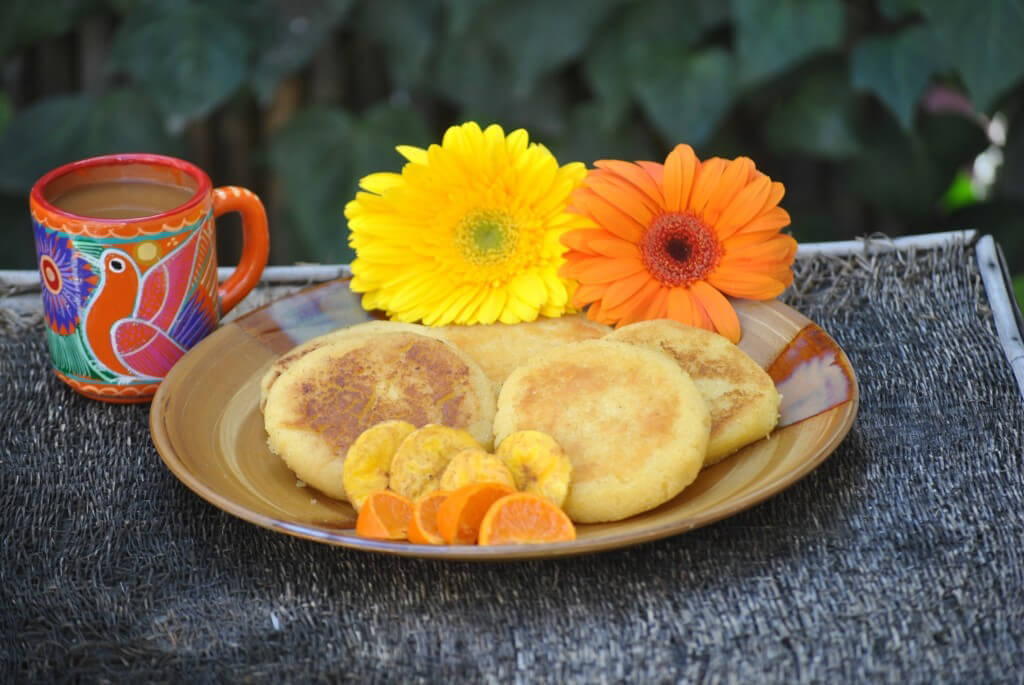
x=459 y=516
x=525 y=518
x=385 y=515
x=423 y=525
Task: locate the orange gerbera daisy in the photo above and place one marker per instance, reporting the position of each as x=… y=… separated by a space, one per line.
x=671 y=238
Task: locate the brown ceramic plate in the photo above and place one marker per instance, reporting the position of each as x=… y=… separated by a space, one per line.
x=207 y=427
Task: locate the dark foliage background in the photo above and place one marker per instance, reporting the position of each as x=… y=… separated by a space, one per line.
x=872 y=113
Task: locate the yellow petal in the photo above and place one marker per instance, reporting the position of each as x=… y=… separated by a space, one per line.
x=416 y=155
x=491 y=308
x=529 y=287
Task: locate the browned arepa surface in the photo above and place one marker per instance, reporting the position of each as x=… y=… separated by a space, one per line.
x=326 y=398
x=741 y=396
x=630 y=419
x=361 y=329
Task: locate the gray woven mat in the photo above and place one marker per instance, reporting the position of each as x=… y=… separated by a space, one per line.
x=899 y=559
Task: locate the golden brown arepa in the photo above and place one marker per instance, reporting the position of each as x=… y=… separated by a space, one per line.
x=324 y=400
x=360 y=329
x=631 y=421
x=741 y=396
x=499 y=348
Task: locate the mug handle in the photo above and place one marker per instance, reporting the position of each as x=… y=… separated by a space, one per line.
x=255 y=242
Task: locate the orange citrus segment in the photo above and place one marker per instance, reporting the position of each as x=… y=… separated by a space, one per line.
x=525 y=518
x=423 y=525
x=459 y=516
x=384 y=515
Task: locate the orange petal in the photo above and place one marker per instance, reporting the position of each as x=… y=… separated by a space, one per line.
x=780 y=271
x=680 y=307
x=778 y=248
x=634 y=309
x=734 y=179
x=708 y=175
x=754 y=286
x=681 y=167
x=699 y=313
x=629 y=201
x=580 y=239
x=601 y=177
x=775 y=196
x=744 y=206
x=655 y=170
x=610 y=246
x=745 y=239
x=639 y=298
x=620 y=291
x=657 y=308
x=774 y=219
x=601 y=269
x=723 y=316
x=595 y=313
x=608 y=216
x=636 y=176
x=785 y=276
x=587 y=293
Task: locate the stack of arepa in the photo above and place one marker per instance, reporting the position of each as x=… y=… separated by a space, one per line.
x=639 y=410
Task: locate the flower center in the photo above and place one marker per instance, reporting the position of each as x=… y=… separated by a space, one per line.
x=486 y=236
x=678 y=249
x=51 y=274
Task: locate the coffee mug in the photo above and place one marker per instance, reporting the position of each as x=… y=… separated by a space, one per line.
x=128 y=267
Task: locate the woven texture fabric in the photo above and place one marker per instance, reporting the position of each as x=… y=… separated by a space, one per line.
x=898 y=559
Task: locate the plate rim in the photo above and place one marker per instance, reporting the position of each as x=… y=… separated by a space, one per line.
x=846 y=416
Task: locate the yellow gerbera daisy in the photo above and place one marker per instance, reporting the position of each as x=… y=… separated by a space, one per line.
x=468 y=232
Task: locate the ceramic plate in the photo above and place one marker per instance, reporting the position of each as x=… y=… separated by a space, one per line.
x=207 y=427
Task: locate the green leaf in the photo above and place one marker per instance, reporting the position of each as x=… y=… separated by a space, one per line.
x=983 y=41
x=631 y=141
x=189 y=58
x=633 y=45
x=408 y=30
x=1018 y=290
x=816 y=120
x=26 y=22
x=472 y=75
x=536 y=37
x=908 y=173
x=685 y=97
x=897 y=9
x=897 y=68
x=379 y=130
x=291 y=34
x=961 y=193
x=773 y=36
x=63 y=129
x=461 y=14
x=319 y=157
x=16 y=233
x=310 y=157
x=6 y=112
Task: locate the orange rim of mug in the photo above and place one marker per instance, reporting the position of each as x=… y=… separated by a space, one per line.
x=189 y=212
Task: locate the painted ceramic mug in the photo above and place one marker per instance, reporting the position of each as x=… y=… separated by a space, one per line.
x=128 y=267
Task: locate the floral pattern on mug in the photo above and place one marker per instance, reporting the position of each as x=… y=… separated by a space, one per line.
x=67 y=279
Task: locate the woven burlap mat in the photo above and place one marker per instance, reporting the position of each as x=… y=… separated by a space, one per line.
x=899 y=559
